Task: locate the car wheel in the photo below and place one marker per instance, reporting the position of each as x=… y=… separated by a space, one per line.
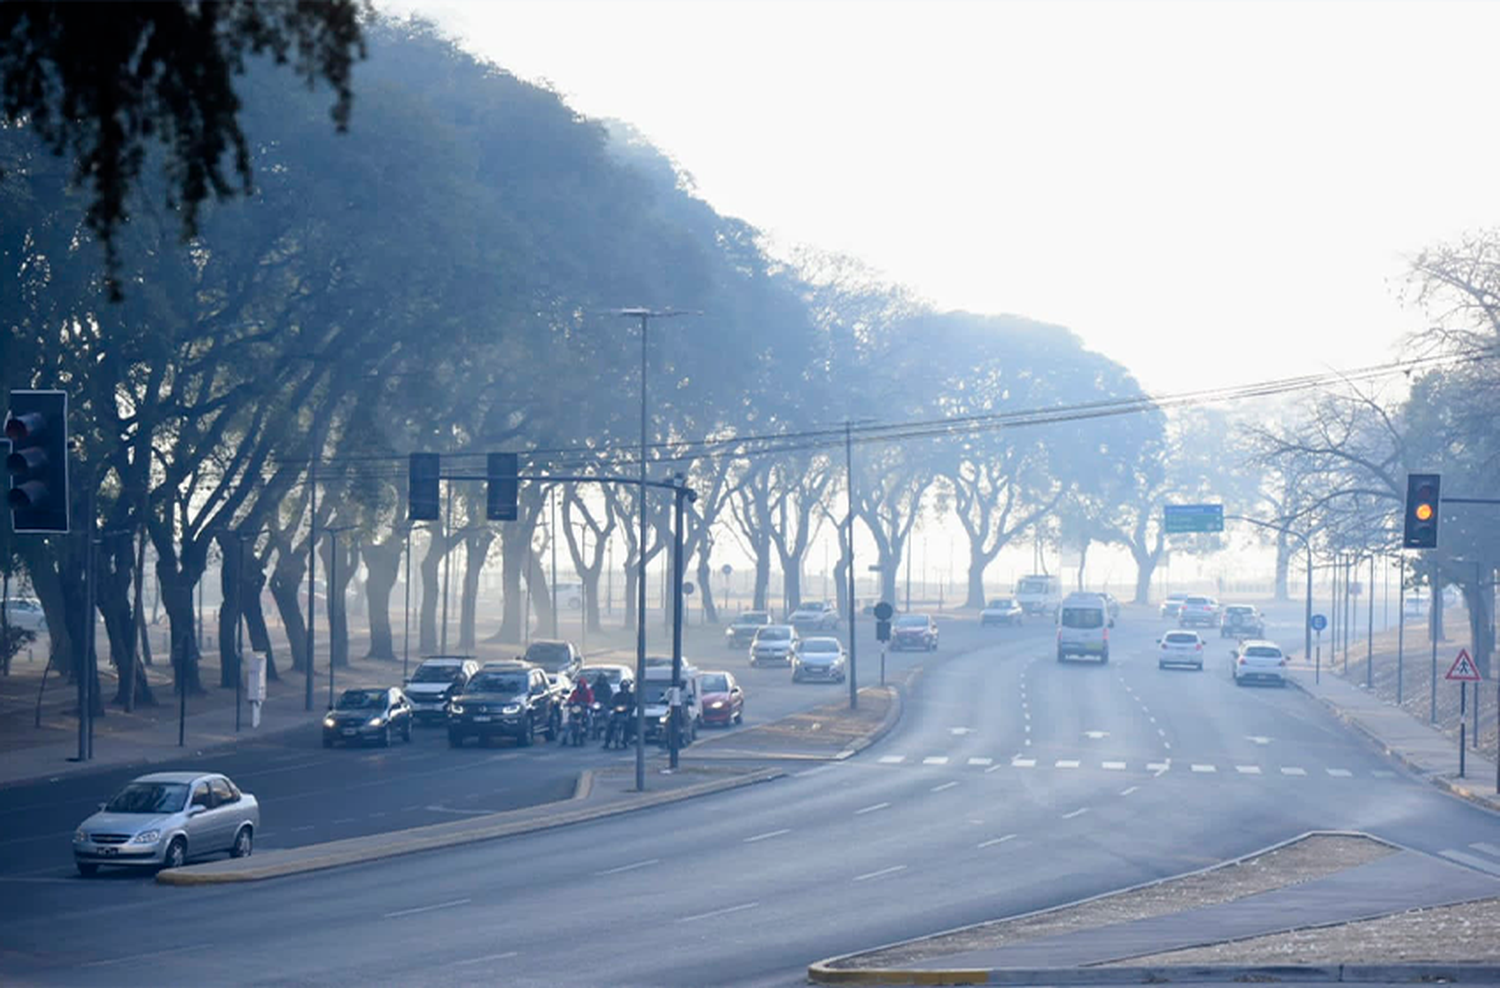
x=406 y=732
x=528 y=735
x=1160 y=664
x=385 y=737
x=1200 y=667
x=1104 y=659
x=87 y=869
x=738 y=718
x=176 y=855
x=554 y=727
x=244 y=843
x=455 y=740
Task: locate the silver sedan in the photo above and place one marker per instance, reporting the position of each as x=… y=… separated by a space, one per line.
x=163 y=819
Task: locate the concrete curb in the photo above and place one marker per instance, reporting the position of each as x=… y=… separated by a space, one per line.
x=835 y=975
x=359 y=850
x=1448 y=784
x=1307 y=973
x=892 y=717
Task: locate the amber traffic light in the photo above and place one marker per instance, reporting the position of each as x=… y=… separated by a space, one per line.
x=1422 y=500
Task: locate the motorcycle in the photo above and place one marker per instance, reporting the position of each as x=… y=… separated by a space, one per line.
x=619 y=732
x=598 y=721
x=578 y=724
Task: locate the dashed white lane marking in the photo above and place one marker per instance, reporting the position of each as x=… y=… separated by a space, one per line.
x=1293 y=771
x=945 y=785
x=935 y=760
x=1167 y=745
x=1078 y=812
x=1023 y=762
x=1383 y=773
x=481 y=960
x=629 y=867
x=1205 y=768
x=1473 y=861
x=1339 y=773
x=1161 y=732
x=981 y=761
x=1127 y=792
x=876 y=874
x=993 y=768
x=1114 y=766
x=451 y=903
x=1066 y=763
x=140 y=957
x=1028 y=742
x=1153 y=720
x=1248 y=769
x=871 y=809
x=892 y=759
x=719 y=912
x=768 y=835
x=997 y=840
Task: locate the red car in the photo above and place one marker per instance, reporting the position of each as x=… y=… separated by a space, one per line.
x=721 y=700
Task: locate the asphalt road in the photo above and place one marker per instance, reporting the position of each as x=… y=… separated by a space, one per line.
x=1013 y=783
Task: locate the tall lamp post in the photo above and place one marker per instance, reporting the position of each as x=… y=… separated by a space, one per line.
x=645 y=316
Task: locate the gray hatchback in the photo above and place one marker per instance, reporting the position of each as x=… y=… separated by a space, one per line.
x=163 y=819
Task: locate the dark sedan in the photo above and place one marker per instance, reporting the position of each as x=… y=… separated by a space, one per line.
x=368 y=714
x=914 y=631
x=514 y=703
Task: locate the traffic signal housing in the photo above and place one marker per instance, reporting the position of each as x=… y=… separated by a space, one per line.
x=37 y=427
x=1422 y=502
x=503 y=486
x=424 y=501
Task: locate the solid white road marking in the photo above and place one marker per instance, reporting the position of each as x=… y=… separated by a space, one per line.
x=154 y=953
x=1339 y=773
x=935 y=760
x=1463 y=857
x=481 y=960
x=1115 y=766
x=1127 y=792
x=427 y=909
x=1066 y=763
x=945 y=785
x=768 y=835
x=1248 y=769
x=1078 y=812
x=876 y=874
x=871 y=809
x=629 y=867
x=892 y=759
x=1205 y=768
x=1293 y=771
x=719 y=912
x=997 y=840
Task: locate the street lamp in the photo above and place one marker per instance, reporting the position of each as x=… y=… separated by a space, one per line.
x=645 y=316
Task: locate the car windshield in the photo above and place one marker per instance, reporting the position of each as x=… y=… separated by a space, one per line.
x=773 y=634
x=753 y=617
x=592 y=673
x=1082 y=617
x=445 y=673
x=1197 y=601
x=1263 y=652
x=1181 y=638
x=1004 y=603
x=498 y=682
x=819 y=645
x=715 y=683
x=911 y=621
x=551 y=656
x=1237 y=609
x=1032 y=586
x=149 y=797
x=361 y=699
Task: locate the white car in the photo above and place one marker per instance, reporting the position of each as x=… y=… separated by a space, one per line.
x=1180 y=648
x=821 y=616
x=1261 y=661
x=165 y=819
x=1083 y=625
x=818 y=658
x=26 y=614
x=773 y=644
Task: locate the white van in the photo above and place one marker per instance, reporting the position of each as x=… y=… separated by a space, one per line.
x=1083 y=624
x=1039 y=594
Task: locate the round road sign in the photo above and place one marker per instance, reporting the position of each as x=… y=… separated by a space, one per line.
x=687 y=588
x=726 y=569
x=883 y=611
x=1318 y=622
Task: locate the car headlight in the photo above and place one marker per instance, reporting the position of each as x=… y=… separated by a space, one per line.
x=79 y=836
x=375 y=722
x=146 y=837
x=664 y=718
x=329 y=721
x=455 y=708
x=511 y=708
x=716 y=705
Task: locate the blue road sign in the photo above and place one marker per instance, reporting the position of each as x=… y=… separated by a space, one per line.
x=1318 y=622
x=1180 y=519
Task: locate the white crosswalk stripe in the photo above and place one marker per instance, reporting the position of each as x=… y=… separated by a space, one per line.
x=935 y=760
x=1247 y=769
x=981 y=761
x=1114 y=766
x=1023 y=762
x=892 y=759
x=1340 y=773
x=1066 y=763
x=1205 y=768
x=1293 y=771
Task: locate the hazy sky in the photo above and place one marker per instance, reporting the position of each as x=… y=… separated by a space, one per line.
x=1209 y=192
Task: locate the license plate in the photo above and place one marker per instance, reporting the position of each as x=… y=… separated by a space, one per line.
x=481 y=720
x=350 y=731
x=109 y=850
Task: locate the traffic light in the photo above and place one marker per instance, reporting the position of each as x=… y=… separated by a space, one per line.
x=37 y=428
x=883 y=612
x=423 y=500
x=504 y=486
x=1422 y=503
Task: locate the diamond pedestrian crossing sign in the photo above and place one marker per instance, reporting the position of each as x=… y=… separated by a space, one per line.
x=1463 y=669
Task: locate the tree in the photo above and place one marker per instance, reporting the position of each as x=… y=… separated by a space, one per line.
x=97 y=82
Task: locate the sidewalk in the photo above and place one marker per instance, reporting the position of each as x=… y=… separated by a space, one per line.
x=1424 y=750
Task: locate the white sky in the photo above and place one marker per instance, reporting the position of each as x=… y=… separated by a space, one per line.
x=1211 y=193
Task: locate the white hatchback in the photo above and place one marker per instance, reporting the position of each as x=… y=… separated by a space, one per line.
x=1180 y=648
x=1259 y=661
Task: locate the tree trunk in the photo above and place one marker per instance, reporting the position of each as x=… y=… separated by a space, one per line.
x=978 y=563
x=705 y=587
x=432 y=593
x=255 y=616
x=177 y=598
x=1283 y=564
x=514 y=549
x=286 y=585
x=762 y=585
x=382 y=569
x=230 y=550
x=340 y=561
x=475 y=552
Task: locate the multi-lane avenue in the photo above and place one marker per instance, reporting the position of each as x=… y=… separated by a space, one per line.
x=1012 y=783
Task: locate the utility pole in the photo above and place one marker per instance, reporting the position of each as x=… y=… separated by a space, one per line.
x=312 y=569
x=447 y=569
x=849 y=527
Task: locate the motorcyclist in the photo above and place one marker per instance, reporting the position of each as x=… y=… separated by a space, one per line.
x=624 y=698
x=602 y=692
x=584 y=697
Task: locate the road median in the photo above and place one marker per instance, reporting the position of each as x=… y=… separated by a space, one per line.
x=359 y=850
